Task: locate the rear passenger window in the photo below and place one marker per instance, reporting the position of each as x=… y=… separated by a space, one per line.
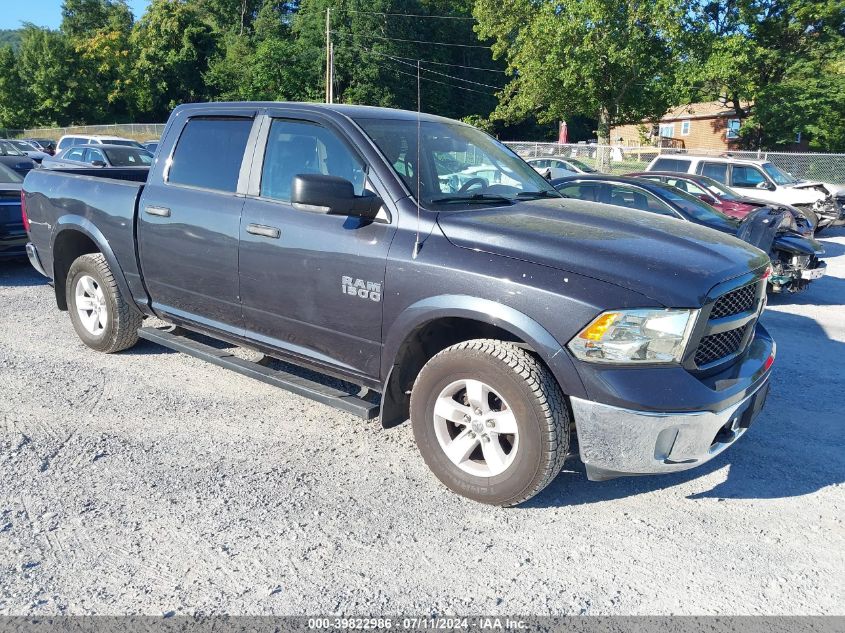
x=296 y=147
x=209 y=153
x=716 y=171
x=670 y=164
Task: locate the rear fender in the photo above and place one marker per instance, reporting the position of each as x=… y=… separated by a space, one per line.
x=82 y=225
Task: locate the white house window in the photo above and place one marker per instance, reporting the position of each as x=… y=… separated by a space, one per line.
x=733 y=128
x=685 y=128
x=667 y=130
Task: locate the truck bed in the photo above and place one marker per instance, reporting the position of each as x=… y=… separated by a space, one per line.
x=100 y=203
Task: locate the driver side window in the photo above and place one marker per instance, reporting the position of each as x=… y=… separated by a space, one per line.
x=299 y=147
x=746 y=176
x=75 y=154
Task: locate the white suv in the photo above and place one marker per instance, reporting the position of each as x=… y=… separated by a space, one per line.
x=72 y=140
x=762 y=180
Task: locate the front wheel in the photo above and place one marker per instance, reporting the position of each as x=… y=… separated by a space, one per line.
x=100 y=315
x=490 y=421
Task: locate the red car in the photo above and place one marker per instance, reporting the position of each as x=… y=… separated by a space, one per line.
x=724 y=198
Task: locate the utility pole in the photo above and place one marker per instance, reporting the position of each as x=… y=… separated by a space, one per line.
x=328 y=55
x=331 y=72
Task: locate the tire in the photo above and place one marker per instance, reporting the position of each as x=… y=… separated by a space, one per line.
x=517 y=393
x=90 y=282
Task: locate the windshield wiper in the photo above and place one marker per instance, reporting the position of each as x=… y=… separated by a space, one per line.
x=478 y=198
x=533 y=195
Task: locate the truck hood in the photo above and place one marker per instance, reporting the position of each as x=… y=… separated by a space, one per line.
x=673 y=262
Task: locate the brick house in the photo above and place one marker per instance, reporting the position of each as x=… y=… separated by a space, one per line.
x=710 y=125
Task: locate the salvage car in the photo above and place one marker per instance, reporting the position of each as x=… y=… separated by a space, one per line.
x=29 y=149
x=724 y=199
x=551 y=167
x=494 y=315
x=99 y=156
x=763 y=180
x=14 y=159
x=13 y=237
x=795 y=258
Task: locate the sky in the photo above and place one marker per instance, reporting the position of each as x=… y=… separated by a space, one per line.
x=44 y=12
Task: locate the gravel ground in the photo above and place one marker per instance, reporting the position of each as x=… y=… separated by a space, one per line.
x=150 y=482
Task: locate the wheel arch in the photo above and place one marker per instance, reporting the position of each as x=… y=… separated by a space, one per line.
x=431 y=325
x=73 y=237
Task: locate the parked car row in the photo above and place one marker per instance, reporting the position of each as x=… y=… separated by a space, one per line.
x=795 y=255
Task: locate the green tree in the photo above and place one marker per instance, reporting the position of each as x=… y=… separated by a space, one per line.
x=777 y=63
x=171 y=46
x=14 y=108
x=611 y=60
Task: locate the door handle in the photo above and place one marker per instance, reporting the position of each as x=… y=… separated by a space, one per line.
x=163 y=212
x=264 y=230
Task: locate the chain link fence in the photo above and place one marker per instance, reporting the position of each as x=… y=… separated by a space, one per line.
x=617 y=159
x=136 y=131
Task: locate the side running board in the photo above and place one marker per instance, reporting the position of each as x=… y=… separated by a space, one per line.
x=351 y=403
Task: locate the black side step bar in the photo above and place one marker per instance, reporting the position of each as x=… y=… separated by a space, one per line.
x=337 y=398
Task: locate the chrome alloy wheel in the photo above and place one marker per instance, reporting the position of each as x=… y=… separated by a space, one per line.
x=91 y=305
x=476 y=428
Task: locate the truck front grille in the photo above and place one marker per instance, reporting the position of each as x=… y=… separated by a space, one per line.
x=735 y=302
x=716 y=346
x=730 y=325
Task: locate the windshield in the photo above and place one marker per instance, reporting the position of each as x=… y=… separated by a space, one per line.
x=120 y=141
x=7 y=149
x=780 y=177
x=719 y=190
x=690 y=205
x=128 y=157
x=7 y=175
x=458 y=163
x=23 y=146
x=582 y=166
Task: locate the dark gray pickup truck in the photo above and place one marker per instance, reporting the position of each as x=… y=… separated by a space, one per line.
x=418 y=259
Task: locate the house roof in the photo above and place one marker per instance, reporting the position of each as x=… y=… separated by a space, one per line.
x=703 y=110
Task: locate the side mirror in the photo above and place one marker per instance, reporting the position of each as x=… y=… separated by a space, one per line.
x=331 y=195
x=98 y=163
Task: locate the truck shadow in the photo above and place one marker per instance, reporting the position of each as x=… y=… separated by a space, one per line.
x=796 y=447
x=19 y=273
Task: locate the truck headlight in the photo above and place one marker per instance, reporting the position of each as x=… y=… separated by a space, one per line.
x=647 y=335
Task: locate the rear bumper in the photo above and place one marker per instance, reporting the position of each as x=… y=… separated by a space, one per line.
x=32 y=254
x=616 y=442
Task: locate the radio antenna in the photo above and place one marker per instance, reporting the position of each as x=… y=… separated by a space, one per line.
x=417 y=244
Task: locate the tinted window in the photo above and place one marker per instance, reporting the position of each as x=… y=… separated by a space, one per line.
x=306 y=148
x=746 y=176
x=670 y=164
x=129 y=157
x=591 y=191
x=92 y=154
x=75 y=154
x=209 y=153
x=634 y=198
x=716 y=171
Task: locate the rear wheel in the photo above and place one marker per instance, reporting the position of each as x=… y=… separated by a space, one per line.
x=100 y=315
x=490 y=421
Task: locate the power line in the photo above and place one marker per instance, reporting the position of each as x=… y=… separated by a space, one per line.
x=431 y=61
x=411 y=15
x=399 y=60
x=397 y=39
x=443 y=83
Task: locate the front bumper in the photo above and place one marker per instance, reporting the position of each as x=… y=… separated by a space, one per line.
x=616 y=442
